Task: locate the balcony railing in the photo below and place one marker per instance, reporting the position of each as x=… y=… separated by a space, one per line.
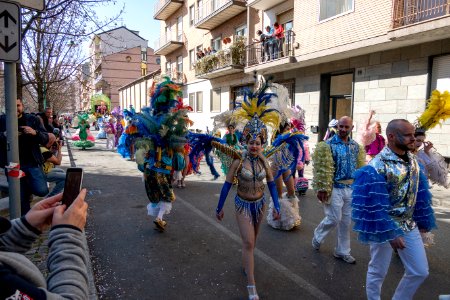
x=168 y=43
x=263 y=52
x=213 y=13
x=223 y=62
x=408 y=12
x=165 y=8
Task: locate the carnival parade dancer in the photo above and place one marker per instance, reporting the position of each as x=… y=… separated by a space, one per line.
x=370 y=136
x=335 y=162
x=434 y=165
x=251 y=169
x=83 y=126
x=163 y=128
x=391 y=209
x=128 y=137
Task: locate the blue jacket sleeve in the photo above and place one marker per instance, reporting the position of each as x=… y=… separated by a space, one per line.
x=423 y=212
x=370 y=208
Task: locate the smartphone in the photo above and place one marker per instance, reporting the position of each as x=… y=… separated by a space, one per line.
x=72 y=187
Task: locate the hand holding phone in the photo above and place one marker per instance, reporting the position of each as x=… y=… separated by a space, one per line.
x=72 y=186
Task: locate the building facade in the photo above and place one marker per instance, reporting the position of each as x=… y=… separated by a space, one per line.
x=338 y=57
x=118 y=56
x=137 y=92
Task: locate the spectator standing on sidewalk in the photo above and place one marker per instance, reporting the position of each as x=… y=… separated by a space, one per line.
x=32 y=133
x=47 y=119
x=53 y=156
x=335 y=161
x=20 y=278
x=392 y=209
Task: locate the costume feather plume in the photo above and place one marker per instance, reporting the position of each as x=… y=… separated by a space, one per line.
x=437 y=111
x=223 y=120
x=165 y=96
x=294 y=144
x=200 y=144
x=298 y=118
x=258 y=103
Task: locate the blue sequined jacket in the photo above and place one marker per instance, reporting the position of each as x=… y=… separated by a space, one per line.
x=390 y=197
x=335 y=162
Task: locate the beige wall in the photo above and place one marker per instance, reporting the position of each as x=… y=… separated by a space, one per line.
x=117 y=71
x=369 y=19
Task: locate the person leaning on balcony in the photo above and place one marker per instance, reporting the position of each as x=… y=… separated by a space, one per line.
x=269 y=42
x=262 y=38
x=278 y=43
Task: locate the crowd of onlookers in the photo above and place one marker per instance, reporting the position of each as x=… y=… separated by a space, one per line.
x=271 y=42
x=40 y=138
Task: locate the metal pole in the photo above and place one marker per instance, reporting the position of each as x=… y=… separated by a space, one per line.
x=12 y=137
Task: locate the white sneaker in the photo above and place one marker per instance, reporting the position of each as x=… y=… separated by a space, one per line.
x=347 y=258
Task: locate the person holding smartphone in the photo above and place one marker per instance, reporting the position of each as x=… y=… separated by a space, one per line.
x=66 y=262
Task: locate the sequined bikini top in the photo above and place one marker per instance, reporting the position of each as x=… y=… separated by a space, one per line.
x=247 y=175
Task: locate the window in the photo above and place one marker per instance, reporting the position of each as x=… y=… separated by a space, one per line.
x=241 y=30
x=143 y=54
x=143 y=69
x=199 y=102
x=168 y=67
x=191 y=59
x=180 y=29
x=191 y=15
x=332 y=8
x=167 y=37
x=192 y=100
x=200 y=9
x=216 y=43
x=440 y=73
x=215 y=100
x=180 y=64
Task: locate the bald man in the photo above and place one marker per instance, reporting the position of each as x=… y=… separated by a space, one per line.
x=391 y=207
x=335 y=162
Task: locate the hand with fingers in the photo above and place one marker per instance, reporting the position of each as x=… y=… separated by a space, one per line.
x=40 y=215
x=74 y=215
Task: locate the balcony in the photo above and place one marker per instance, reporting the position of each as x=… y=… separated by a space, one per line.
x=424 y=20
x=222 y=63
x=264 y=4
x=168 y=43
x=216 y=12
x=264 y=56
x=165 y=8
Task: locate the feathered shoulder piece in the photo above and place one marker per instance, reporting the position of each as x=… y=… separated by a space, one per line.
x=437 y=111
x=165 y=96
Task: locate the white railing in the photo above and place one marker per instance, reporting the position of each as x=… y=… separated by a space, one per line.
x=208 y=8
x=170 y=36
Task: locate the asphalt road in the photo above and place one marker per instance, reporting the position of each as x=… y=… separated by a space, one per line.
x=200 y=258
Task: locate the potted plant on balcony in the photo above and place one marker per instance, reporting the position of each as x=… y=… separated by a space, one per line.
x=238 y=50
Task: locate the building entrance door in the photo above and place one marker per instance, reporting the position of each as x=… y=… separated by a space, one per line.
x=336 y=99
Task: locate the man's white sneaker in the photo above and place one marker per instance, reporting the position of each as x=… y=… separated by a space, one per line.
x=347 y=258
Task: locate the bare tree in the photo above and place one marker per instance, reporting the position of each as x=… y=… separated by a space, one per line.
x=50 y=52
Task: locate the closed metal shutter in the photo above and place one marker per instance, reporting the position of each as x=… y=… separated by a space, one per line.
x=440 y=76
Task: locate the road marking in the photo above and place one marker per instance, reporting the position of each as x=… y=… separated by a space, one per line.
x=302 y=283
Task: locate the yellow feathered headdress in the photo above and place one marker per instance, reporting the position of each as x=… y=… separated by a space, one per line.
x=437 y=111
x=257 y=112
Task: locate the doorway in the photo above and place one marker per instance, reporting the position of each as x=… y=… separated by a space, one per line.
x=336 y=99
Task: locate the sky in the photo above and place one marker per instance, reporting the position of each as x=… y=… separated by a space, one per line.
x=138 y=15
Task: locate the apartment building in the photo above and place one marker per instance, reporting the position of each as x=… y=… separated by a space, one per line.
x=210 y=85
x=338 y=57
x=119 y=56
x=83 y=77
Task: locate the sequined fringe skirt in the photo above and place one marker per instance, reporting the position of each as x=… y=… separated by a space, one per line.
x=252 y=209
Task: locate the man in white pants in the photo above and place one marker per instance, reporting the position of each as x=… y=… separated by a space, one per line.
x=335 y=161
x=391 y=209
